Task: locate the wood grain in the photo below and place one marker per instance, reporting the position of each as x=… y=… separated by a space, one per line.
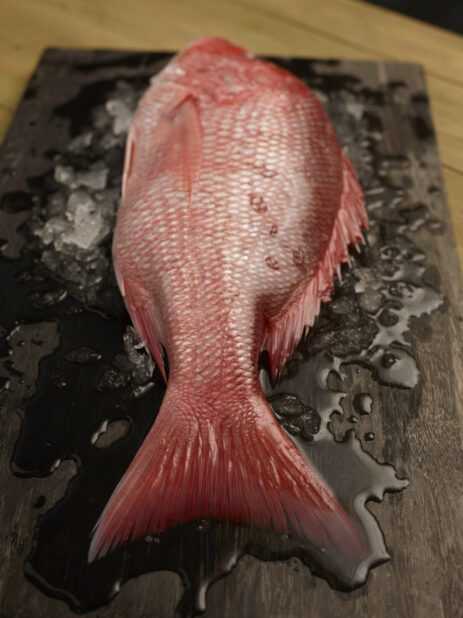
x=367 y=27
x=423 y=526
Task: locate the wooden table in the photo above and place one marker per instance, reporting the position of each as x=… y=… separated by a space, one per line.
x=345 y=29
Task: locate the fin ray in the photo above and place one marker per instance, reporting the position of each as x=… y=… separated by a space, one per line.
x=190 y=468
x=144 y=317
x=282 y=337
x=178 y=141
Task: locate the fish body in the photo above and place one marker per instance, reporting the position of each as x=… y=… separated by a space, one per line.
x=238 y=206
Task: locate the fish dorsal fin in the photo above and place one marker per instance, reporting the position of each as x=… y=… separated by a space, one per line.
x=178 y=141
x=284 y=333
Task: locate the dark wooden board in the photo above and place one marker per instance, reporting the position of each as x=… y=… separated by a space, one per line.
x=416 y=429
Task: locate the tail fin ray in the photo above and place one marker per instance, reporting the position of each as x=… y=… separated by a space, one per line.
x=251 y=473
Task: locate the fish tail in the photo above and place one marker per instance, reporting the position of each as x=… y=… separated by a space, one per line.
x=240 y=468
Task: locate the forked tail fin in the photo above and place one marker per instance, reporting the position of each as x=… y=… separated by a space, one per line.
x=240 y=468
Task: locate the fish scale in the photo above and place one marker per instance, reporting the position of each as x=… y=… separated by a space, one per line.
x=238 y=205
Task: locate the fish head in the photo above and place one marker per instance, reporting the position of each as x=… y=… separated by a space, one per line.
x=216 y=46
x=220 y=70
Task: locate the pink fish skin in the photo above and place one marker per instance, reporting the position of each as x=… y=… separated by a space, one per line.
x=238 y=207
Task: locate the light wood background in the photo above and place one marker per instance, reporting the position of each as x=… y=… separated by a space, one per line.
x=345 y=29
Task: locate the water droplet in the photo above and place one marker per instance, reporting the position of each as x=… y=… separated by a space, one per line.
x=115 y=589
x=389 y=252
x=267 y=172
x=258 y=203
x=139 y=391
x=369 y=436
x=59 y=381
x=55 y=465
x=388 y=318
x=298 y=257
x=296 y=564
x=402 y=289
x=393 y=161
x=272 y=263
x=388 y=360
x=363 y=403
x=415 y=216
x=436 y=226
x=109 y=433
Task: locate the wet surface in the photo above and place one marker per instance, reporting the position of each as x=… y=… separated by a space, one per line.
x=88 y=392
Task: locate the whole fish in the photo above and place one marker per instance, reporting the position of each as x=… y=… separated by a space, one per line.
x=238 y=207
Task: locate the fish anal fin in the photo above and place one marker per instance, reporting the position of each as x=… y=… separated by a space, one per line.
x=283 y=335
x=144 y=317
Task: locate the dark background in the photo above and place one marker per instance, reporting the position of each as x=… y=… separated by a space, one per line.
x=444 y=13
